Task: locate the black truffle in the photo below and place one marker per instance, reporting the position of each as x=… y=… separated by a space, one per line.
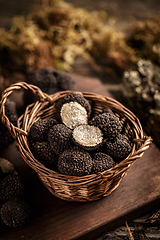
x=6 y=168
x=49 y=81
x=109 y=123
x=15 y=212
x=11 y=112
x=59 y=137
x=119 y=149
x=87 y=137
x=43 y=152
x=75 y=163
x=102 y=162
x=76 y=97
x=12 y=186
x=40 y=129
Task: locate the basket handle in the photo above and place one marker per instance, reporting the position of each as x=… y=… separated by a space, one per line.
x=7 y=92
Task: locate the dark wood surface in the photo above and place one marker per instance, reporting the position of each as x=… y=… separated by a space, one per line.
x=53 y=218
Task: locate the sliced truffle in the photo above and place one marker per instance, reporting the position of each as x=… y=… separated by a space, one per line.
x=102 y=162
x=12 y=186
x=109 y=123
x=49 y=80
x=87 y=136
x=15 y=212
x=73 y=114
x=43 y=152
x=76 y=97
x=40 y=129
x=59 y=137
x=119 y=149
x=75 y=163
x=11 y=112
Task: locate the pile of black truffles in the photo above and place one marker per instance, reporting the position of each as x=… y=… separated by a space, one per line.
x=15 y=211
x=75 y=143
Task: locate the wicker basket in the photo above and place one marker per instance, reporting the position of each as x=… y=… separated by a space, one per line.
x=90 y=187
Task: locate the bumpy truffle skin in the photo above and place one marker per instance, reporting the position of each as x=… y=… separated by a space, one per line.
x=75 y=97
x=15 y=212
x=43 y=152
x=75 y=163
x=102 y=162
x=87 y=137
x=73 y=114
x=40 y=129
x=12 y=186
x=59 y=137
x=11 y=112
x=49 y=81
x=109 y=124
x=119 y=149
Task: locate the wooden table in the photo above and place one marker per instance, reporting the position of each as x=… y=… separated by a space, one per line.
x=53 y=218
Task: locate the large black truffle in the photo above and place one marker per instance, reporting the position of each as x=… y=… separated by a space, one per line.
x=109 y=123
x=43 y=152
x=76 y=97
x=119 y=149
x=12 y=186
x=40 y=129
x=11 y=112
x=49 y=80
x=15 y=212
x=75 y=162
x=102 y=162
x=59 y=137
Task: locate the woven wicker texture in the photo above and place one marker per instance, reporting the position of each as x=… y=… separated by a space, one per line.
x=86 y=188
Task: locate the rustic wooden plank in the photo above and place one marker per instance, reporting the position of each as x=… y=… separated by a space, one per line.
x=53 y=218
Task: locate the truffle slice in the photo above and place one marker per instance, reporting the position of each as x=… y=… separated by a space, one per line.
x=102 y=162
x=12 y=186
x=73 y=114
x=75 y=163
x=59 y=137
x=40 y=129
x=109 y=123
x=44 y=153
x=15 y=212
x=88 y=137
x=119 y=149
x=76 y=97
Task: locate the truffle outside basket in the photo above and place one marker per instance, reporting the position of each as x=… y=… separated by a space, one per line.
x=71 y=188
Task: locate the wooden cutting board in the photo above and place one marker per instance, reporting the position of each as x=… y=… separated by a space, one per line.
x=56 y=219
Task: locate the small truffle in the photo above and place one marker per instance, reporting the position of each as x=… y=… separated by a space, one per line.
x=109 y=123
x=40 y=129
x=75 y=163
x=12 y=186
x=76 y=97
x=43 y=152
x=5 y=136
x=102 y=162
x=15 y=212
x=87 y=137
x=59 y=137
x=6 y=168
x=119 y=149
x=73 y=114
